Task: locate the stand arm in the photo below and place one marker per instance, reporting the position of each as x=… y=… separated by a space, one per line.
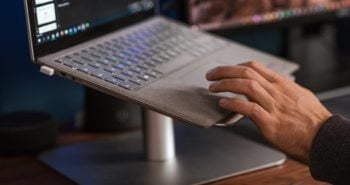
x=158 y=136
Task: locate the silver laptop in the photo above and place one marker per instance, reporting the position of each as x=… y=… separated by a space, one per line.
x=122 y=48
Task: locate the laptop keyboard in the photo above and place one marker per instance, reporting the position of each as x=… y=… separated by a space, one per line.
x=130 y=61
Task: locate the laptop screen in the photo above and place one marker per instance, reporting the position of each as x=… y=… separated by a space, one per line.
x=62 y=23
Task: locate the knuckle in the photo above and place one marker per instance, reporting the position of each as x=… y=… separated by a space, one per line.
x=252 y=64
x=255 y=110
x=252 y=85
x=226 y=84
x=248 y=72
x=272 y=132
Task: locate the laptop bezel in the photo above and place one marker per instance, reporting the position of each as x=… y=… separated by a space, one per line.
x=37 y=51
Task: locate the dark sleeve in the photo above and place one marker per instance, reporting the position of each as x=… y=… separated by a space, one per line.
x=330 y=152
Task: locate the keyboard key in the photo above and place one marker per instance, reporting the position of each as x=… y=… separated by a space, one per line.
x=121 y=55
x=119 y=66
x=129 y=86
x=137 y=81
x=152 y=63
x=145 y=77
x=134 y=50
x=68 y=57
x=143 y=66
x=116 y=55
x=127 y=63
x=111 y=69
x=171 y=53
x=128 y=73
x=95 y=65
x=61 y=60
x=126 y=43
x=158 y=59
x=103 y=61
x=147 y=54
x=120 y=77
x=78 y=62
x=103 y=52
x=141 y=57
x=113 y=80
x=118 y=46
x=100 y=74
x=87 y=58
x=86 y=69
x=137 y=70
x=153 y=74
x=96 y=55
x=70 y=64
x=140 y=48
x=113 y=59
x=165 y=56
x=111 y=49
x=100 y=46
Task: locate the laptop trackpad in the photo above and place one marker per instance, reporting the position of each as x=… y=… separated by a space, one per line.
x=195 y=82
x=197 y=77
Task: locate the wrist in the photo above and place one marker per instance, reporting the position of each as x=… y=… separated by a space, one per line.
x=322 y=119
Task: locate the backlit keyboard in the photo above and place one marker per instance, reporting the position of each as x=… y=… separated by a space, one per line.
x=130 y=61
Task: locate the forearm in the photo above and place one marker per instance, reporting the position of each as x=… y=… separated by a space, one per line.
x=330 y=153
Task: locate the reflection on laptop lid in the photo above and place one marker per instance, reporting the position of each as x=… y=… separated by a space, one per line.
x=59 y=24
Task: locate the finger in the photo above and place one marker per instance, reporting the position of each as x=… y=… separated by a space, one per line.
x=249 y=109
x=265 y=72
x=249 y=88
x=243 y=72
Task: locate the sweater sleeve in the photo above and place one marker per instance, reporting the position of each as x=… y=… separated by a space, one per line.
x=330 y=152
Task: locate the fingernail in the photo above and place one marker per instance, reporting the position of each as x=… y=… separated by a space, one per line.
x=223 y=102
x=208 y=75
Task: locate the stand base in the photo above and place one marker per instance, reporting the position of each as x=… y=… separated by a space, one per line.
x=203 y=155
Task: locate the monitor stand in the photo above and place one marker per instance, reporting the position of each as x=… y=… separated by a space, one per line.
x=203 y=155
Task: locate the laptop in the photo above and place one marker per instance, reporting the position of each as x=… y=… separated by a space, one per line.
x=124 y=49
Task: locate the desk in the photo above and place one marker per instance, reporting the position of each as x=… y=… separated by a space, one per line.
x=27 y=170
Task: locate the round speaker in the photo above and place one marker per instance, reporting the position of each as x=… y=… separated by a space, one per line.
x=26 y=132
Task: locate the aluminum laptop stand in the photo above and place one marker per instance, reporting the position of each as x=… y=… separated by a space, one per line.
x=203 y=155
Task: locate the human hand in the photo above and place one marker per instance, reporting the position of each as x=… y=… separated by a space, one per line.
x=288 y=115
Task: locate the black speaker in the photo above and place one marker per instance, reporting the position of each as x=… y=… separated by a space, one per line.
x=26 y=132
x=104 y=113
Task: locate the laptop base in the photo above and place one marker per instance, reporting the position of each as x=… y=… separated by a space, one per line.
x=203 y=155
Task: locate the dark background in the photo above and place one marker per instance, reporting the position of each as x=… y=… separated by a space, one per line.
x=322 y=50
x=22 y=87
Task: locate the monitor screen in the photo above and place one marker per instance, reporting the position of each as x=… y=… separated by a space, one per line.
x=57 y=19
x=221 y=14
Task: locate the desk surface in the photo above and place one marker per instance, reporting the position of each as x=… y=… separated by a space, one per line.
x=27 y=170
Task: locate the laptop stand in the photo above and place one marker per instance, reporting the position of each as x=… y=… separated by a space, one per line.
x=203 y=155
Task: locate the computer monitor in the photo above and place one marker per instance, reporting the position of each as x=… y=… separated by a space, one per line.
x=234 y=14
x=295 y=24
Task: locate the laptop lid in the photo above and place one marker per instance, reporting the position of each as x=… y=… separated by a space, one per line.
x=54 y=25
